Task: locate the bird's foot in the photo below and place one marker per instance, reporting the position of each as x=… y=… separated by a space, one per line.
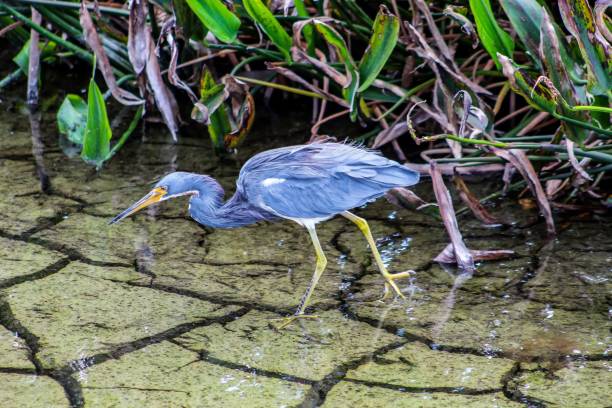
x=390 y=283
x=283 y=322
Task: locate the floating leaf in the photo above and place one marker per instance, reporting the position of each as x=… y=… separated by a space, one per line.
x=384 y=38
x=494 y=39
x=262 y=15
x=217 y=18
x=72 y=118
x=96 y=140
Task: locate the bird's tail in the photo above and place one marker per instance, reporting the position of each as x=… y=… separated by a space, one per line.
x=397 y=175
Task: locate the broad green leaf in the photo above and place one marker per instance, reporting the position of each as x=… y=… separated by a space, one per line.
x=384 y=37
x=98 y=133
x=22 y=59
x=262 y=15
x=494 y=39
x=212 y=96
x=523 y=85
x=217 y=18
x=579 y=21
x=218 y=122
x=526 y=19
x=72 y=118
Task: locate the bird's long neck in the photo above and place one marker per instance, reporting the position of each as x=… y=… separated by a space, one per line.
x=208 y=208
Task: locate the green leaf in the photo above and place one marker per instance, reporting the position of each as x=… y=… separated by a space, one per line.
x=217 y=18
x=262 y=15
x=524 y=86
x=22 y=59
x=557 y=72
x=579 y=21
x=72 y=118
x=212 y=97
x=352 y=86
x=494 y=39
x=384 y=38
x=98 y=133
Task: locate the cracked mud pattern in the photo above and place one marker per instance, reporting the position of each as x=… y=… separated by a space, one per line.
x=157 y=311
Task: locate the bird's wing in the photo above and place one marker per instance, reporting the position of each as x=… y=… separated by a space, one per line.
x=318 y=180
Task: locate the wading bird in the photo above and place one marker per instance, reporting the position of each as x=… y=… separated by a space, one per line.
x=306 y=184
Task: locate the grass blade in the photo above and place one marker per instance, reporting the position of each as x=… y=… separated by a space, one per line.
x=494 y=39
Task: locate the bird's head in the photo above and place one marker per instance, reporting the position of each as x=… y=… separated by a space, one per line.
x=173 y=185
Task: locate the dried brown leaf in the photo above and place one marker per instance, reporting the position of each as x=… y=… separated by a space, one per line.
x=599 y=12
x=519 y=159
x=138 y=48
x=93 y=40
x=574 y=161
x=473 y=203
x=164 y=100
x=34 y=61
x=388 y=135
x=462 y=254
x=289 y=74
x=173 y=77
x=429 y=54
x=402 y=197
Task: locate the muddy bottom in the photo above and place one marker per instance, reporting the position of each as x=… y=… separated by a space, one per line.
x=157 y=311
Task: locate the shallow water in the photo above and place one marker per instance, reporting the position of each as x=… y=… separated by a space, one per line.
x=157 y=311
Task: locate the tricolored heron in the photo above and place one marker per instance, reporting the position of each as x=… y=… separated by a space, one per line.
x=306 y=184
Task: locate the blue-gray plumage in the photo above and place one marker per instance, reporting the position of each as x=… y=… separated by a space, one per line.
x=305 y=183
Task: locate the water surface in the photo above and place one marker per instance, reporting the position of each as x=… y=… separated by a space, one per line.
x=157 y=311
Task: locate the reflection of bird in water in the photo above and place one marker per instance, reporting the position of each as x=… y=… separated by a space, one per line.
x=306 y=184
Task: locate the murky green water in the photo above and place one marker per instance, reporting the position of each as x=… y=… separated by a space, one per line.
x=159 y=312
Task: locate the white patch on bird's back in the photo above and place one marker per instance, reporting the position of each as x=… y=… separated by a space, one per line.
x=271 y=181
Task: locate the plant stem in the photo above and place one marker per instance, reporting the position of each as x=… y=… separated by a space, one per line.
x=71 y=5
x=281 y=87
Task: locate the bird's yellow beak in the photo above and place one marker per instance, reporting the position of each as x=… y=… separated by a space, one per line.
x=154 y=196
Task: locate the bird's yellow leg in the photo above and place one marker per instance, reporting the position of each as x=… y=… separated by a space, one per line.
x=389 y=277
x=320 y=267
